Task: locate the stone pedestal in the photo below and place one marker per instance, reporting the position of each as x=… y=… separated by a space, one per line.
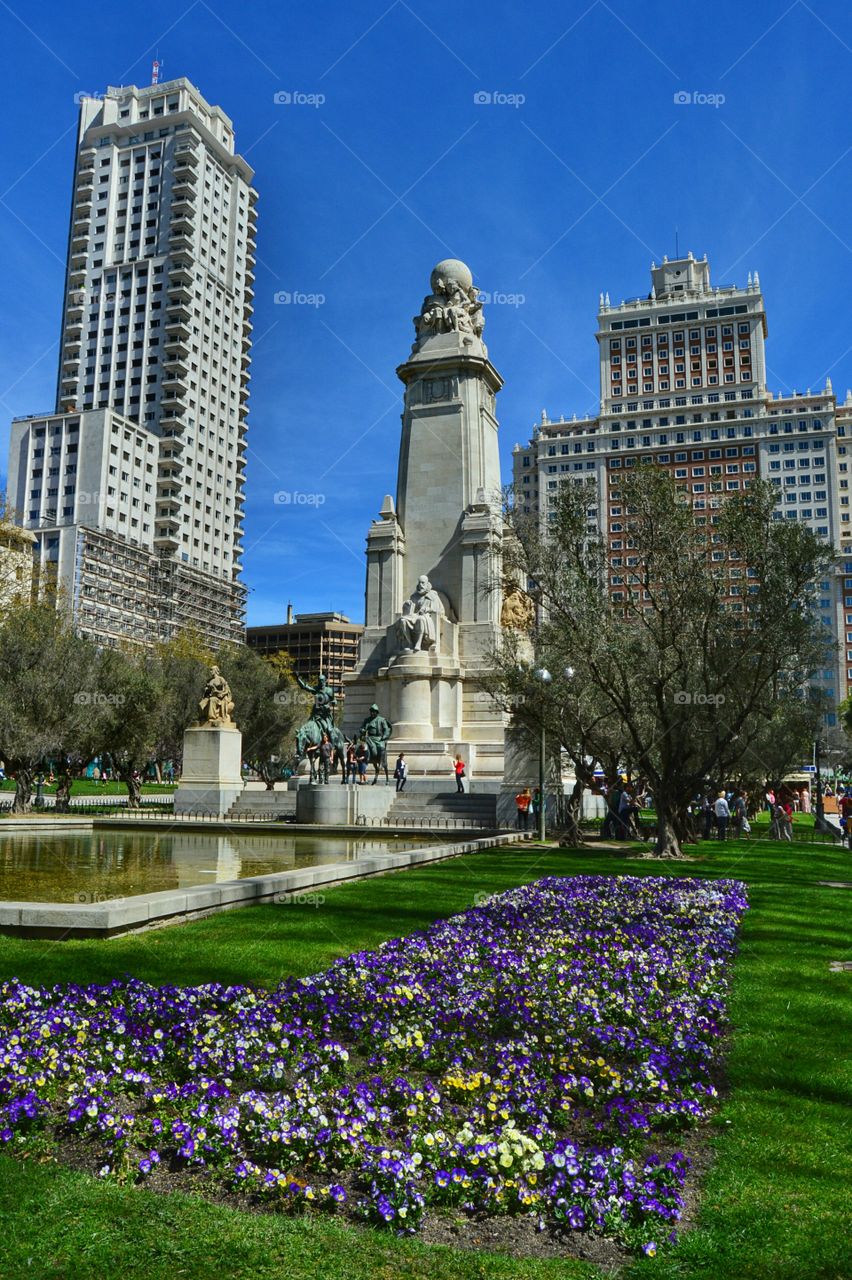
x=330 y=804
x=212 y=778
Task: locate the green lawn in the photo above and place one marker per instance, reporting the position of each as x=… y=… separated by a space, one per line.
x=775 y=1205
x=87 y=787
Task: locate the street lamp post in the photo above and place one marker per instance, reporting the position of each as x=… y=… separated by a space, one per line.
x=544 y=677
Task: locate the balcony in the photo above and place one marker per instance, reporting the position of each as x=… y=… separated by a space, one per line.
x=181 y=242
x=179 y=292
x=172 y=426
x=182 y=224
x=165 y=541
x=184 y=205
x=181 y=267
x=170 y=465
x=177 y=345
x=177 y=313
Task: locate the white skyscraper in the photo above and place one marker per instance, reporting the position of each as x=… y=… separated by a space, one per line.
x=134 y=485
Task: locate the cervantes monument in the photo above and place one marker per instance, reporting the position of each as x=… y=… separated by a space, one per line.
x=434 y=557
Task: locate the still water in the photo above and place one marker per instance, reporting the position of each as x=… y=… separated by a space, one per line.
x=96 y=866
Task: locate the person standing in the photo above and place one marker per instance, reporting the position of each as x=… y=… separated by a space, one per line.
x=523 y=802
x=782 y=824
x=326 y=752
x=723 y=814
x=458 y=768
x=362 y=756
x=351 y=764
x=400 y=772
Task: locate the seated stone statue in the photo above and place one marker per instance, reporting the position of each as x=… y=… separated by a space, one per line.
x=216 y=704
x=418 y=624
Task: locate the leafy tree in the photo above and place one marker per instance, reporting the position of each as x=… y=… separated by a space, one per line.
x=688 y=632
x=183 y=665
x=47 y=692
x=127 y=722
x=783 y=741
x=577 y=721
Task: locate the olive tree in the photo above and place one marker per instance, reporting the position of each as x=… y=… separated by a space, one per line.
x=689 y=627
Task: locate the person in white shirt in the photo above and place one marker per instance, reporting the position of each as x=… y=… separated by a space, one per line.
x=723 y=814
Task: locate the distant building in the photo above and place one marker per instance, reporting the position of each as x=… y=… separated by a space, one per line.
x=16 y=563
x=683 y=385
x=316 y=642
x=133 y=483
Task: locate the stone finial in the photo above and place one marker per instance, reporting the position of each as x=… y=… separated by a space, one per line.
x=601 y=303
x=749 y=279
x=828 y=387
x=848 y=399
x=756 y=280
x=544 y=418
x=388 y=510
x=606 y=298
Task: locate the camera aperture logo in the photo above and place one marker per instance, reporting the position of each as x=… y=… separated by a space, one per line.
x=696 y=98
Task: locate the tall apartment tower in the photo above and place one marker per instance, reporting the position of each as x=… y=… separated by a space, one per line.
x=133 y=486
x=683 y=386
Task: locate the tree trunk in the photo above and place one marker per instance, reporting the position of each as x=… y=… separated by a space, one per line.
x=63 y=792
x=134 y=789
x=23 y=791
x=572 y=834
x=668 y=841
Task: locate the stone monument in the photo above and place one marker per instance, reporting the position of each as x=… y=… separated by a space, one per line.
x=211 y=778
x=433 y=598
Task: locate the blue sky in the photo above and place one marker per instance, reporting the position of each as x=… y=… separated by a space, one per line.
x=552 y=198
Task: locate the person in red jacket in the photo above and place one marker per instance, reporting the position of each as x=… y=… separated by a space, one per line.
x=459 y=771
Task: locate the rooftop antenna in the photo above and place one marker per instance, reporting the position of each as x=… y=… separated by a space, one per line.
x=677 y=244
x=155 y=69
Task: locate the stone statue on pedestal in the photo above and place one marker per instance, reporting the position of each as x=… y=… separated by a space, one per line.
x=453 y=306
x=418 y=625
x=217 y=704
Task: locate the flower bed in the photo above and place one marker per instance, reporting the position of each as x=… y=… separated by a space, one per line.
x=538 y=1054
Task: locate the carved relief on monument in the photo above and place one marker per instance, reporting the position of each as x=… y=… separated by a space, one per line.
x=518 y=610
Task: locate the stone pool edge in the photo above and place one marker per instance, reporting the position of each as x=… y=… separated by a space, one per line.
x=66 y=921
